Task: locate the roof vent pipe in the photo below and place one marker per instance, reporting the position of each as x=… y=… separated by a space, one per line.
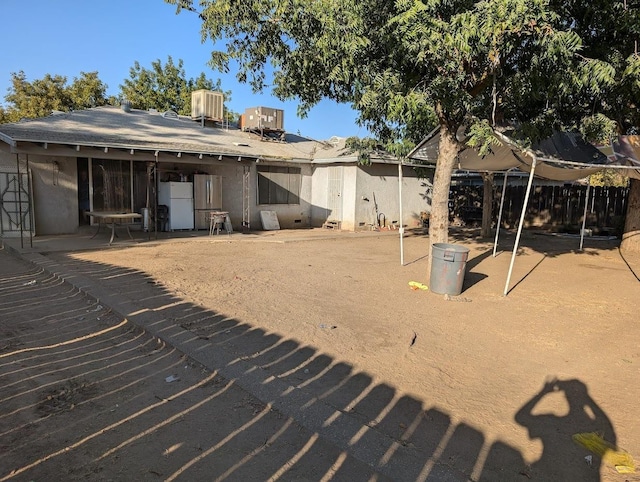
x=125 y=104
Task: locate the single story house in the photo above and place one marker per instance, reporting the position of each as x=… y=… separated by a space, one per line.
x=117 y=159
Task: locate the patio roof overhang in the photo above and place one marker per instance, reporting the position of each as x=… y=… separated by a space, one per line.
x=133 y=152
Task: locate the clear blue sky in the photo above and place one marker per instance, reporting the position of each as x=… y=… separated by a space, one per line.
x=67 y=37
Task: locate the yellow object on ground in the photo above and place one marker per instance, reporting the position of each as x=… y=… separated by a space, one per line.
x=418 y=286
x=609 y=453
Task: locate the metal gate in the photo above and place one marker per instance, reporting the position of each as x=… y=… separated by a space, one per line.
x=16 y=209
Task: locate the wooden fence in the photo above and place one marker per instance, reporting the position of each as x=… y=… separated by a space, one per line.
x=557 y=207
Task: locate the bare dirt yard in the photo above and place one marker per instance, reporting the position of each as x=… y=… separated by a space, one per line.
x=418 y=386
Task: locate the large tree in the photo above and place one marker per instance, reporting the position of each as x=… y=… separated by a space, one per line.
x=166 y=87
x=41 y=97
x=474 y=64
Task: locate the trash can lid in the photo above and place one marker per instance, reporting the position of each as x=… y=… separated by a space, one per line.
x=451 y=247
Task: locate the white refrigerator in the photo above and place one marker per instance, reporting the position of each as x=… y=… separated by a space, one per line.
x=178 y=196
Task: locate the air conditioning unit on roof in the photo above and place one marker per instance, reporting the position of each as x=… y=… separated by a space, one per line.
x=207 y=104
x=265 y=118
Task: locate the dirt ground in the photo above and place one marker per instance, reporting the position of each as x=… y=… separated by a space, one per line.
x=488 y=386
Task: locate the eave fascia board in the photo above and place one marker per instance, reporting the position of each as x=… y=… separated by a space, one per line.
x=128 y=148
x=7 y=139
x=374 y=160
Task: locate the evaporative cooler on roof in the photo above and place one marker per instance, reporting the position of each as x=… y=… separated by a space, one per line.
x=207 y=104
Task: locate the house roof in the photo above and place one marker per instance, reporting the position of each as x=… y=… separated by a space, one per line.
x=139 y=134
x=564 y=156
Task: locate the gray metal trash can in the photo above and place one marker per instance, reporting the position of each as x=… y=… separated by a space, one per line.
x=448 y=264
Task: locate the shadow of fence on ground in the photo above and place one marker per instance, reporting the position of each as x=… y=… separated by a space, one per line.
x=86 y=395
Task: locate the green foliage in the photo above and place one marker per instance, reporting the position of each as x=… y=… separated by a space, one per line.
x=367 y=146
x=609 y=177
x=364 y=147
x=481 y=137
x=598 y=129
x=166 y=87
x=87 y=91
x=5 y=116
x=408 y=65
x=41 y=97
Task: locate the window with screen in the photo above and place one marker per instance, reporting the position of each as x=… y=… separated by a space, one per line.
x=278 y=185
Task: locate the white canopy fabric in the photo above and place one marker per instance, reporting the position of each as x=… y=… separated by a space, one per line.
x=564 y=156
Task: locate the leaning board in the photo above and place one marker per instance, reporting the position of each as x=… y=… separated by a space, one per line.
x=269 y=220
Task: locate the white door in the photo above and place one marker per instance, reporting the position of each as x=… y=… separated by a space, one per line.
x=334 y=195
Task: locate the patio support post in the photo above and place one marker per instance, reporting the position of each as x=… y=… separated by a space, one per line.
x=504 y=190
x=522 y=215
x=401 y=222
x=19 y=199
x=155 y=204
x=32 y=213
x=584 y=215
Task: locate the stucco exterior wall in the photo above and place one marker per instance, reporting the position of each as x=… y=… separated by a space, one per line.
x=290 y=216
x=382 y=180
x=363 y=184
x=55 y=194
x=231 y=187
x=319 y=196
x=416 y=197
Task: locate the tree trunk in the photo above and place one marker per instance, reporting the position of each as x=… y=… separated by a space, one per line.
x=487 y=204
x=631 y=235
x=439 y=218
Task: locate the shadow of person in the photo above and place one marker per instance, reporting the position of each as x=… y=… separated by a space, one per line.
x=561 y=409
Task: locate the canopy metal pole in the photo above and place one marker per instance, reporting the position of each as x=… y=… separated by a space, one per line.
x=522 y=215
x=401 y=219
x=504 y=190
x=584 y=216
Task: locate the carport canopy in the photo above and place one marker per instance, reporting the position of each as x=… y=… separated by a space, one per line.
x=564 y=156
